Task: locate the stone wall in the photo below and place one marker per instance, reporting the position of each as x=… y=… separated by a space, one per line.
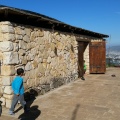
x=49 y=58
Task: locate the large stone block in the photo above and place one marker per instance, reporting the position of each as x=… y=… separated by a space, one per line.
x=33 y=36
x=6 y=80
x=28 y=31
x=30 y=45
x=22 y=45
x=6 y=46
x=34 y=64
x=60 y=45
x=8 y=90
x=8 y=103
x=7 y=37
x=31 y=56
x=7 y=29
x=26 y=38
x=10 y=58
x=19 y=31
x=28 y=66
x=19 y=37
x=1 y=90
x=24 y=60
x=7 y=70
x=8 y=96
x=30 y=82
x=22 y=52
x=32 y=74
x=41 y=69
x=6 y=23
x=40 y=33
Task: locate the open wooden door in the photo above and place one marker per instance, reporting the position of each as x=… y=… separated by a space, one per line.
x=97 y=57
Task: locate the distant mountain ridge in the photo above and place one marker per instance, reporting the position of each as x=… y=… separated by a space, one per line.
x=113 y=52
x=113 y=56
x=114 y=48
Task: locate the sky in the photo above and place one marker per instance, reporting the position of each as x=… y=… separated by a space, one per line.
x=102 y=16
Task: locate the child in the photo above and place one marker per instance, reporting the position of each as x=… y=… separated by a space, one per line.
x=84 y=67
x=84 y=70
x=18 y=90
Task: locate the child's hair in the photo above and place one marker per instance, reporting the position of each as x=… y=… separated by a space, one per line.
x=20 y=71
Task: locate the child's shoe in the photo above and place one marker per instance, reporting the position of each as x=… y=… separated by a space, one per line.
x=82 y=78
x=11 y=113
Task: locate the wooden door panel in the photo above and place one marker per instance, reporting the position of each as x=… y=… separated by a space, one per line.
x=97 y=57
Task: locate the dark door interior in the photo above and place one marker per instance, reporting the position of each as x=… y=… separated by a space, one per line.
x=80 y=58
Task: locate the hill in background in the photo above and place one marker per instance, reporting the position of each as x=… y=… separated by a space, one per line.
x=114 y=48
x=113 y=52
x=113 y=56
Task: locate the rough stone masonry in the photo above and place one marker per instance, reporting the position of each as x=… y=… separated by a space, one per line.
x=48 y=58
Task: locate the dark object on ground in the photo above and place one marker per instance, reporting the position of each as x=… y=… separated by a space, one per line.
x=33 y=114
x=113 y=75
x=82 y=78
x=0 y=108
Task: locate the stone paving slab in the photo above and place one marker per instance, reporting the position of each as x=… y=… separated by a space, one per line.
x=96 y=98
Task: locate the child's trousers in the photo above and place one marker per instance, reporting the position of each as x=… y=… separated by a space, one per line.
x=15 y=101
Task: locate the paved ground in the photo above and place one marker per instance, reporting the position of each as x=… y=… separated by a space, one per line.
x=96 y=98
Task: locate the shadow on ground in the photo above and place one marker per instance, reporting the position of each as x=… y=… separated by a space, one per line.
x=31 y=115
x=34 y=112
x=75 y=112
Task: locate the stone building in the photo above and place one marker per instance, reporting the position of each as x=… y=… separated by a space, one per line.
x=48 y=50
